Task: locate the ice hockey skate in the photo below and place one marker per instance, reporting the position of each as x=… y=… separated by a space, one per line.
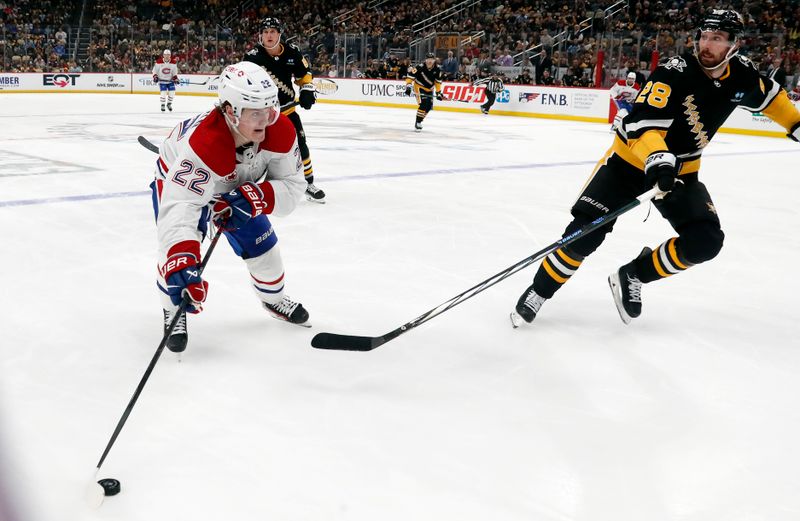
x=163 y=108
x=417 y=127
x=180 y=337
x=627 y=289
x=169 y=106
x=528 y=305
x=289 y=311
x=314 y=194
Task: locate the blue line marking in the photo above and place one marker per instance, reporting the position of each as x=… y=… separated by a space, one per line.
x=387 y=175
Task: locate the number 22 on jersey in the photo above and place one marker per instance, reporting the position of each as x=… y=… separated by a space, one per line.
x=190 y=177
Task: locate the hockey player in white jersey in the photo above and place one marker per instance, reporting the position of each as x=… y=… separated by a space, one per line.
x=233 y=166
x=165 y=74
x=623 y=93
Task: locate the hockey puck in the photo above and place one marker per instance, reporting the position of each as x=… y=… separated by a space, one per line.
x=111 y=487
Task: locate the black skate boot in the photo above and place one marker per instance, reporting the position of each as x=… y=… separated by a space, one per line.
x=627 y=289
x=288 y=310
x=417 y=127
x=163 y=108
x=169 y=106
x=180 y=337
x=528 y=305
x=314 y=194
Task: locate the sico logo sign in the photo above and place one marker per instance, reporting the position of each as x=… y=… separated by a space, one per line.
x=59 y=80
x=465 y=92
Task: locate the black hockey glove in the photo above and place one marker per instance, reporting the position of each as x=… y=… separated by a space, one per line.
x=795 y=132
x=660 y=169
x=440 y=96
x=408 y=90
x=308 y=95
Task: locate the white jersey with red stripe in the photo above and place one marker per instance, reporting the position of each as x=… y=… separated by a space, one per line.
x=166 y=72
x=624 y=92
x=199 y=160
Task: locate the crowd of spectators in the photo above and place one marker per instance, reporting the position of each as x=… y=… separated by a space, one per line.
x=525 y=41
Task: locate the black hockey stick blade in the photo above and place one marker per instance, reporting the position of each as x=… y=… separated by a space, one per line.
x=336 y=342
x=147 y=144
x=366 y=343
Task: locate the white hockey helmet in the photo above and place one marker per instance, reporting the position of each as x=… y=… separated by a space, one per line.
x=245 y=85
x=167 y=52
x=631 y=78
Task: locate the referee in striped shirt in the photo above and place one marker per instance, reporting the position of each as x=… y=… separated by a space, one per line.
x=493 y=86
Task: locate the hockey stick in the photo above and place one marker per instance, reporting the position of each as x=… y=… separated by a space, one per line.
x=149 y=145
x=187 y=82
x=368 y=343
x=96 y=492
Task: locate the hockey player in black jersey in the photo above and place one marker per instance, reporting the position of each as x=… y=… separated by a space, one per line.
x=675 y=115
x=426 y=82
x=285 y=63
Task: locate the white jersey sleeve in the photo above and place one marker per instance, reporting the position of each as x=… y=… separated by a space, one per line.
x=279 y=162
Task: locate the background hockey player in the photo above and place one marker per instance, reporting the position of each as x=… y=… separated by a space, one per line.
x=236 y=165
x=674 y=117
x=493 y=86
x=165 y=74
x=285 y=63
x=424 y=80
x=623 y=93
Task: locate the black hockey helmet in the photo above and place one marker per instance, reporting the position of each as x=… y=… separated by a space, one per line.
x=430 y=55
x=726 y=20
x=271 y=22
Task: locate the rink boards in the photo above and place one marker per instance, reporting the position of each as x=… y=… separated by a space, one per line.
x=567 y=103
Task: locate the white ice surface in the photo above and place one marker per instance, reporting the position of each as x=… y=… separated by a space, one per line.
x=689 y=413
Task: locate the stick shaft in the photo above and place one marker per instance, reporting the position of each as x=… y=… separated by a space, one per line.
x=156 y=356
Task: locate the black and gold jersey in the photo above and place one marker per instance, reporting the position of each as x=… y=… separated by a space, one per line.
x=425 y=79
x=685 y=107
x=288 y=64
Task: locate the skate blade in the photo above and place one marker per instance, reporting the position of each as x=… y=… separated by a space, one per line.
x=304 y=324
x=616 y=292
x=516 y=320
x=312 y=200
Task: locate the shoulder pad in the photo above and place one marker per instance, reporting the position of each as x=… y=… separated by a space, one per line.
x=412 y=70
x=676 y=62
x=252 y=52
x=294 y=48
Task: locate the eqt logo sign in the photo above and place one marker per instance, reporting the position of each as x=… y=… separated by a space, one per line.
x=59 y=80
